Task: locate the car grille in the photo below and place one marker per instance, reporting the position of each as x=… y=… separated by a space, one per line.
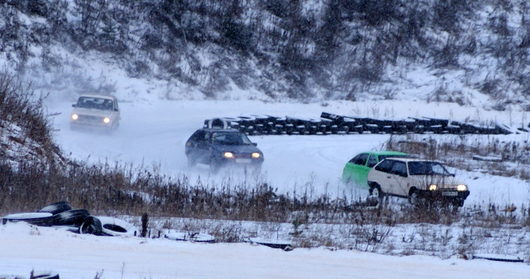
x=90 y=118
x=243 y=155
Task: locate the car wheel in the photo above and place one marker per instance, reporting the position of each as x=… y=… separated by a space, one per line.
x=458 y=203
x=214 y=167
x=414 y=198
x=192 y=162
x=376 y=193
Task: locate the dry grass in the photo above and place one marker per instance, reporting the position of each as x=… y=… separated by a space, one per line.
x=458 y=152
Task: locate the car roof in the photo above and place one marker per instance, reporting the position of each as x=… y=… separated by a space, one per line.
x=408 y=159
x=98 y=96
x=385 y=152
x=221 y=130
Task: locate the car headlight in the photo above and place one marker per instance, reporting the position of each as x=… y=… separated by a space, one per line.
x=256 y=155
x=461 y=187
x=106 y=120
x=433 y=187
x=228 y=155
x=75 y=116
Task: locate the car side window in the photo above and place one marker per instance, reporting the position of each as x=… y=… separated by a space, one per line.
x=361 y=159
x=384 y=166
x=399 y=168
x=197 y=136
x=372 y=161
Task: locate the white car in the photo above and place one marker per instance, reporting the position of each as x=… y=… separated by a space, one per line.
x=416 y=179
x=95 y=111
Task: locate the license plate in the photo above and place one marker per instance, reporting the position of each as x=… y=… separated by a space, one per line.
x=243 y=161
x=449 y=194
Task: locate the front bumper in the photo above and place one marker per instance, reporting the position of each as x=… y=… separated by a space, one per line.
x=445 y=195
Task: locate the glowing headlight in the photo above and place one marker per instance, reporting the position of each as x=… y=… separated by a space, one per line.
x=75 y=116
x=256 y=155
x=461 y=187
x=228 y=155
x=433 y=187
x=106 y=120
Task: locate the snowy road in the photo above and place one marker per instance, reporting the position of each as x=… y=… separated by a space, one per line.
x=83 y=256
x=153 y=134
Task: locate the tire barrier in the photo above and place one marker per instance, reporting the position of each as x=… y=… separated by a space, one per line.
x=329 y=123
x=75 y=220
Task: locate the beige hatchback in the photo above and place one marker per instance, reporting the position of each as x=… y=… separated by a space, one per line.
x=417 y=180
x=95 y=111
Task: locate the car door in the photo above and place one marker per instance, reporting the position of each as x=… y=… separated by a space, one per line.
x=359 y=170
x=381 y=175
x=204 y=147
x=398 y=180
x=194 y=146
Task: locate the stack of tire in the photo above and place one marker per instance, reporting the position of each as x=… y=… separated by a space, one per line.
x=76 y=220
x=338 y=124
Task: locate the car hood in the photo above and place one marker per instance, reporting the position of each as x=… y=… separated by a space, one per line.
x=93 y=112
x=442 y=181
x=248 y=148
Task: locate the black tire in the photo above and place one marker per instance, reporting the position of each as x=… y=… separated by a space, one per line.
x=414 y=198
x=91 y=225
x=114 y=230
x=57 y=207
x=73 y=217
x=214 y=166
x=376 y=194
x=458 y=203
x=191 y=162
x=34 y=218
x=44 y=276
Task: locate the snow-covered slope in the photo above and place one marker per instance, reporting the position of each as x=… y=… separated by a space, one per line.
x=472 y=52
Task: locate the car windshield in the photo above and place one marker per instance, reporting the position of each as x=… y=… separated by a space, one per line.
x=94 y=103
x=427 y=168
x=231 y=138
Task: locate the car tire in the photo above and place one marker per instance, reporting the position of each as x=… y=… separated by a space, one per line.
x=458 y=203
x=214 y=167
x=91 y=225
x=73 y=217
x=57 y=207
x=415 y=198
x=34 y=218
x=43 y=276
x=376 y=193
x=192 y=162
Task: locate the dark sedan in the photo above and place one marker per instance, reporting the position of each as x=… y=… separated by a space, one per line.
x=222 y=147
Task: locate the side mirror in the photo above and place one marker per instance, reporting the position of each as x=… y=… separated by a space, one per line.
x=74 y=105
x=116 y=109
x=255 y=144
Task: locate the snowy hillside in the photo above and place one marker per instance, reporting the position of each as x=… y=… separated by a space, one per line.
x=473 y=52
x=173 y=64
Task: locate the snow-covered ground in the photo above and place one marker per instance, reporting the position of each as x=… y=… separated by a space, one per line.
x=153 y=134
x=26 y=248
